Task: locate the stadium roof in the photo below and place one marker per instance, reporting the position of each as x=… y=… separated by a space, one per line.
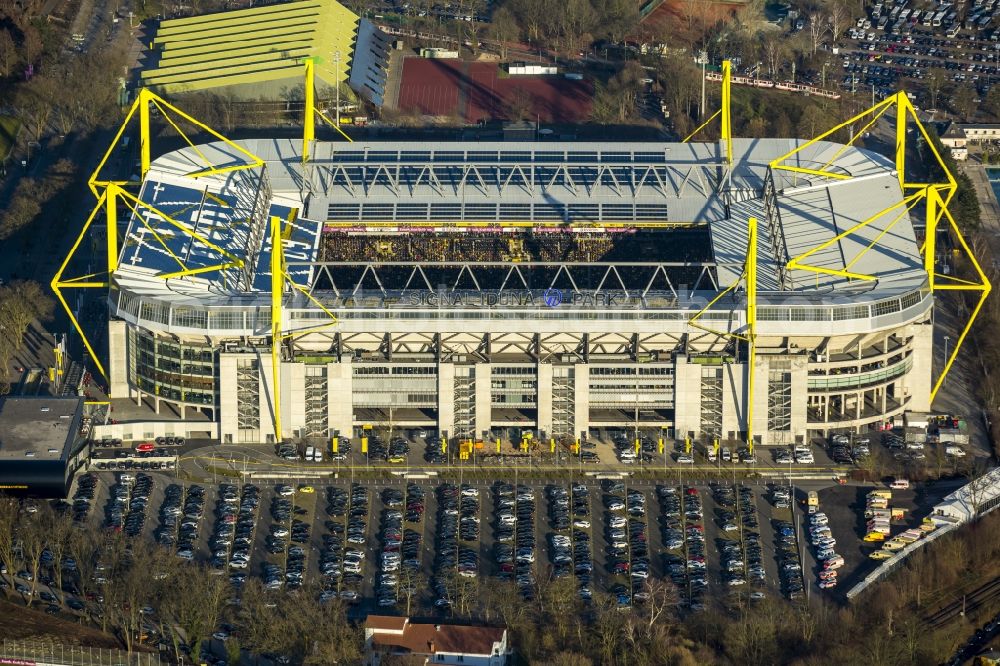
x=689 y=182
x=253 y=46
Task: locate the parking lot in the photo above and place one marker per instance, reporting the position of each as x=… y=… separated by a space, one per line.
x=425 y=546
x=421 y=546
x=895 y=41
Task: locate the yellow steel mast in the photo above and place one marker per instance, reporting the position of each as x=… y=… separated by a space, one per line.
x=751 y=286
x=309 y=117
x=725 y=111
x=310 y=112
x=277 y=289
x=749 y=279
x=936 y=196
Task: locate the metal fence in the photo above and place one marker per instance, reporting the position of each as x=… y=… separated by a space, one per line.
x=39 y=652
x=890 y=565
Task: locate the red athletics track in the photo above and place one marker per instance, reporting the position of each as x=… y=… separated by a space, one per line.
x=474 y=91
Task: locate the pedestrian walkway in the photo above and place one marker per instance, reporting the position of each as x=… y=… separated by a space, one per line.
x=989 y=206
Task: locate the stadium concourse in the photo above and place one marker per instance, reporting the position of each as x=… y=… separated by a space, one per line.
x=481 y=290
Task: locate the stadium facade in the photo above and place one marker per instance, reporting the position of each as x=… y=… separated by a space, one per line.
x=553 y=287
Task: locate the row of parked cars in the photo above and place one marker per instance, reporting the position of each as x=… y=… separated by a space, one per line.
x=140 y=489
x=736 y=564
x=801 y=454
x=823 y=542
x=845 y=452
x=787 y=547
x=232 y=538
x=682 y=514
x=390 y=559
x=583 y=563
x=457 y=539
x=625 y=448
x=514 y=533
x=342 y=555
x=190 y=518
x=86 y=490
x=355 y=548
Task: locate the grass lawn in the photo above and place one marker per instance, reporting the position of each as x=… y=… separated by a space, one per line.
x=8 y=130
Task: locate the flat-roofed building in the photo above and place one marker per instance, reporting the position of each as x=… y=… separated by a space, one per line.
x=41 y=439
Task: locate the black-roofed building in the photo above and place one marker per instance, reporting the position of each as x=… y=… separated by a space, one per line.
x=41 y=442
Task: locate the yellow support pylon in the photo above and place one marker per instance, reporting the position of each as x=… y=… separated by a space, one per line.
x=277 y=294
x=751 y=285
x=936 y=197
x=144 y=101
x=725 y=112
x=310 y=113
x=748 y=278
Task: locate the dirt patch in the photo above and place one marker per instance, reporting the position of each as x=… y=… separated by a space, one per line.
x=477 y=91
x=686 y=19
x=19 y=623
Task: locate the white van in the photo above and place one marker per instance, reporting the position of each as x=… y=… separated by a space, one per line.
x=955 y=451
x=899 y=484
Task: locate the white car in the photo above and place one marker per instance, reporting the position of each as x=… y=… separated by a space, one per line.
x=284 y=491
x=582 y=524
x=685 y=459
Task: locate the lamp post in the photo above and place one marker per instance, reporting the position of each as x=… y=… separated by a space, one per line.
x=702 y=60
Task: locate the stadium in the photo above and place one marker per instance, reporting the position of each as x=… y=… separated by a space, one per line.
x=487 y=289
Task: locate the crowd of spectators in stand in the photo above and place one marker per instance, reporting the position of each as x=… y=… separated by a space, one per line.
x=526 y=246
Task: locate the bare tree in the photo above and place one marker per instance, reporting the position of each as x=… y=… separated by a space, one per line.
x=775 y=52
x=838 y=17
x=661 y=602
x=934 y=82
x=8 y=51
x=82 y=548
x=411 y=583
x=9 y=513
x=33 y=542
x=59 y=527
x=504 y=29
x=196 y=602
x=818 y=27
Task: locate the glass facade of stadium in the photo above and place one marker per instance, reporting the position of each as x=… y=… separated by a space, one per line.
x=472 y=371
